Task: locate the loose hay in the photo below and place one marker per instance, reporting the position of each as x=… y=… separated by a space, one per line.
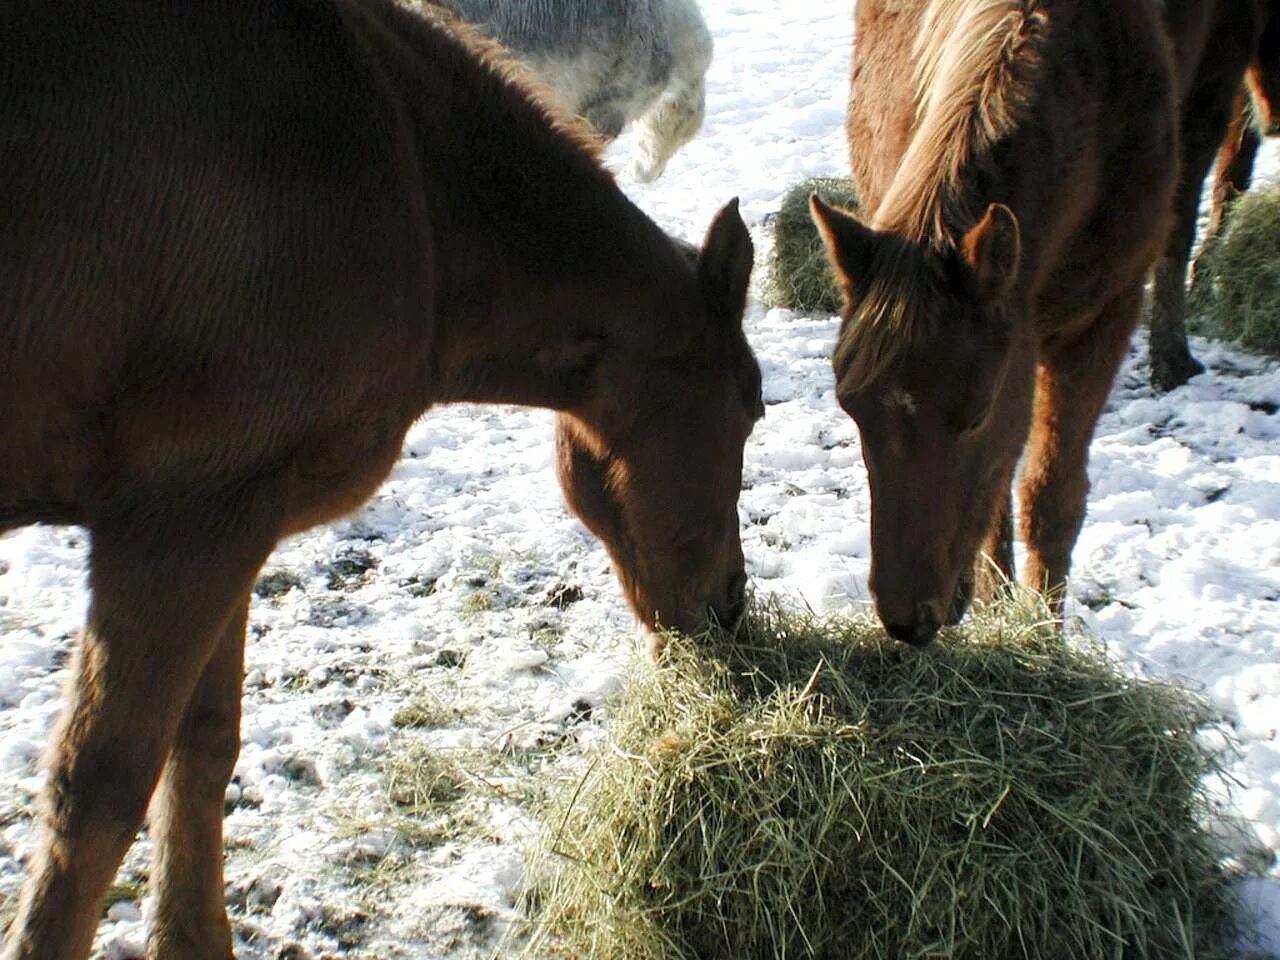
x=799 y=276
x=813 y=790
x=1236 y=294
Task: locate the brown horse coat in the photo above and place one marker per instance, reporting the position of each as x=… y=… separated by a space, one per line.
x=1015 y=159
x=244 y=245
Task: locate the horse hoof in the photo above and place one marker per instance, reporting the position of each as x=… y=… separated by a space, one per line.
x=1167 y=373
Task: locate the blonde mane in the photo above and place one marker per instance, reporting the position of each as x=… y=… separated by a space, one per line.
x=976 y=63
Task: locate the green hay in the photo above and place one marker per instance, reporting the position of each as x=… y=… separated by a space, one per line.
x=812 y=790
x=799 y=276
x=1236 y=294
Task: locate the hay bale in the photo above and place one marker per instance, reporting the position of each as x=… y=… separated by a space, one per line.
x=1236 y=293
x=799 y=276
x=814 y=791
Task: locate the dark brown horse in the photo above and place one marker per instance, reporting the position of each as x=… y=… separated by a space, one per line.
x=244 y=245
x=1015 y=157
x=1219 y=46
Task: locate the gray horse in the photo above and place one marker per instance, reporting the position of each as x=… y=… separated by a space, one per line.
x=612 y=62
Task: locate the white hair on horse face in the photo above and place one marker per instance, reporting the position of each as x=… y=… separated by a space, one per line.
x=613 y=62
x=899 y=398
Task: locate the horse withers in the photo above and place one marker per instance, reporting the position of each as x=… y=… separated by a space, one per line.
x=1017 y=159
x=244 y=247
x=613 y=63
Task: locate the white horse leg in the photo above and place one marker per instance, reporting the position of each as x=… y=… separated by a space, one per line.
x=676 y=116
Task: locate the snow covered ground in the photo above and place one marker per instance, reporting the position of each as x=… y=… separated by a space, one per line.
x=463 y=615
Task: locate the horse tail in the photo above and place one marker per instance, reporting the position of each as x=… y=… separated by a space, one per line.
x=676 y=116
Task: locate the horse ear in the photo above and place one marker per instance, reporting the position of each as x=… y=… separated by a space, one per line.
x=724 y=264
x=992 y=249
x=850 y=245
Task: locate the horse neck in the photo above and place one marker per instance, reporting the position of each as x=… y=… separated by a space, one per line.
x=535 y=250
x=545 y=263
x=514 y=326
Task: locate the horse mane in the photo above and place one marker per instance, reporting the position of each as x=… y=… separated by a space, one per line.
x=513 y=73
x=976 y=65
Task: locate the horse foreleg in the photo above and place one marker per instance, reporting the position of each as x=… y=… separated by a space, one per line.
x=1206 y=115
x=1171 y=361
x=1072 y=384
x=1233 y=167
x=671 y=122
x=167 y=582
x=675 y=117
x=186 y=819
x=1232 y=171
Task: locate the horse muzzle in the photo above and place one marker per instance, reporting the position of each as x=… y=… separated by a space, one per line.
x=918 y=632
x=725 y=612
x=960 y=601
x=920 y=629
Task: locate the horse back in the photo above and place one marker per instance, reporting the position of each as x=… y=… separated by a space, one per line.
x=208 y=270
x=1090 y=156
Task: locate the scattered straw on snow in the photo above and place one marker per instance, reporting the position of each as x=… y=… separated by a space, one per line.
x=1236 y=294
x=811 y=789
x=799 y=276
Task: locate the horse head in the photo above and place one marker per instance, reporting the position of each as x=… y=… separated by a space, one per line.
x=652 y=461
x=926 y=349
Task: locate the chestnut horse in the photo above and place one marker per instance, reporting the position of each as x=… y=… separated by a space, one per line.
x=1016 y=158
x=1219 y=46
x=244 y=246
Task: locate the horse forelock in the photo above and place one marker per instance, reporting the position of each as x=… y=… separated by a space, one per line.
x=878 y=325
x=976 y=64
